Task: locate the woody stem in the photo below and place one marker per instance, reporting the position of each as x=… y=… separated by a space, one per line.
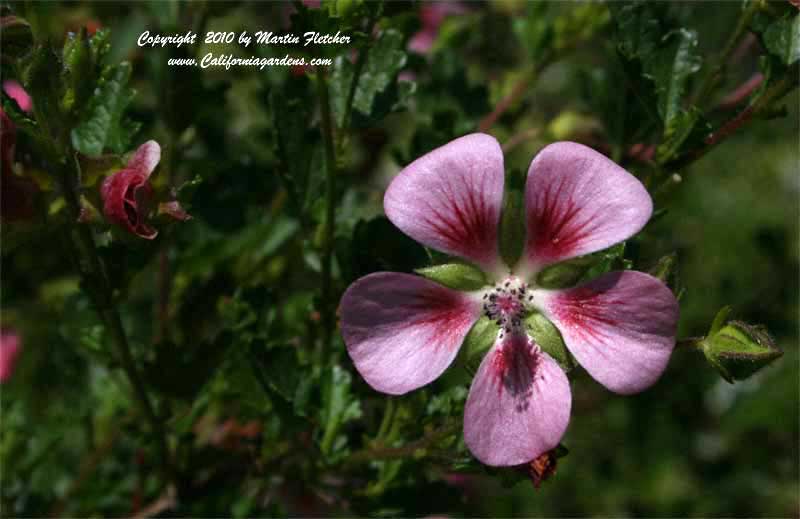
x=96 y=282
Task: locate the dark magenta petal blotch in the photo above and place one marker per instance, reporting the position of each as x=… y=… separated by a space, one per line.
x=450 y=199
x=402 y=331
x=127 y=193
x=519 y=403
x=578 y=201
x=620 y=327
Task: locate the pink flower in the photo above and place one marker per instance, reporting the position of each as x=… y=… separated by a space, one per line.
x=10 y=345
x=402 y=331
x=431 y=16
x=127 y=194
x=18 y=94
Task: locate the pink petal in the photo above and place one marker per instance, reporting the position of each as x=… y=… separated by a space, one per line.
x=578 y=202
x=18 y=94
x=145 y=158
x=620 y=327
x=9 y=351
x=422 y=41
x=519 y=404
x=402 y=331
x=450 y=199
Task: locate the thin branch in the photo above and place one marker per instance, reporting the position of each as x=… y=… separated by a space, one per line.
x=715 y=73
x=409 y=449
x=95 y=278
x=788 y=83
x=328 y=317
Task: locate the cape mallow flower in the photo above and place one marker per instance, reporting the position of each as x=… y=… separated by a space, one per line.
x=402 y=331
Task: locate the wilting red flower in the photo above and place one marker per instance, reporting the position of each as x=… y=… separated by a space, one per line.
x=10 y=345
x=127 y=194
x=403 y=331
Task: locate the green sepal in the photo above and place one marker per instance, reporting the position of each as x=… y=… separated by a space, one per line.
x=478 y=341
x=666 y=270
x=571 y=272
x=737 y=350
x=782 y=39
x=458 y=276
x=547 y=336
x=512 y=227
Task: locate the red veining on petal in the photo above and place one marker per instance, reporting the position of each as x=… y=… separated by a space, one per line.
x=465 y=224
x=587 y=312
x=443 y=313
x=556 y=225
x=514 y=368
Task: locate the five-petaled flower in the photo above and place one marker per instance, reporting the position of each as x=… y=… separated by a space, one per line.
x=402 y=331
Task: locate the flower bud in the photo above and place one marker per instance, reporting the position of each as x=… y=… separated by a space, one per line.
x=737 y=350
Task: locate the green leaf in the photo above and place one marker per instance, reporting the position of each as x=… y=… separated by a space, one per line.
x=782 y=38
x=448 y=402
x=638 y=28
x=549 y=339
x=668 y=58
x=279 y=369
x=670 y=70
x=459 y=276
x=338 y=405
x=104 y=126
x=79 y=65
x=385 y=59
